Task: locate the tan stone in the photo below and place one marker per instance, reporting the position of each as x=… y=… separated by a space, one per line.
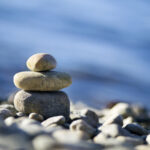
x=42 y=81
x=41 y=62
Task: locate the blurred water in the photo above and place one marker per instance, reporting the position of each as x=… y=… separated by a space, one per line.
x=103 y=44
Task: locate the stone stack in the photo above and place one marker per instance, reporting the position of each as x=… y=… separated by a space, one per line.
x=40 y=88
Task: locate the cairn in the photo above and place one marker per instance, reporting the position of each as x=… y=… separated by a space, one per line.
x=40 y=88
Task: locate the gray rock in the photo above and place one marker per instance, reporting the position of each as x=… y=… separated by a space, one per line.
x=136 y=129
x=59 y=120
x=41 y=62
x=4 y=113
x=81 y=125
x=116 y=119
x=42 y=81
x=48 y=104
x=114 y=130
x=36 y=116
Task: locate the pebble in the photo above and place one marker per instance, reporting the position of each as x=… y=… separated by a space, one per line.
x=136 y=129
x=36 y=116
x=130 y=140
x=148 y=139
x=81 y=125
x=44 y=142
x=128 y=120
x=65 y=136
x=9 y=121
x=10 y=107
x=114 y=130
x=87 y=115
x=41 y=62
x=48 y=104
x=4 y=113
x=116 y=119
x=42 y=81
x=105 y=140
x=142 y=147
x=59 y=120
x=20 y=114
x=122 y=109
x=90 y=117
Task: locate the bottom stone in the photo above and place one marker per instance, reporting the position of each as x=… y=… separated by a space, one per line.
x=47 y=104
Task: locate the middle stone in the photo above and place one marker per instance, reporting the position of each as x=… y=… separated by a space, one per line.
x=42 y=81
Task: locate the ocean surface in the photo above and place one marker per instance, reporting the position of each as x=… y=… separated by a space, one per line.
x=103 y=44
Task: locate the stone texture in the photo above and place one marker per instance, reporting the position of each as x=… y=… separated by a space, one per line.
x=59 y=120
x=116 y=119
x=41 y=62
x=136 y=129
x=42 y=81
x=36 y=116
x=81 y=125
x=48 y=104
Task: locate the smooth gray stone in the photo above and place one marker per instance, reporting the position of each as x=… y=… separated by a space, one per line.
x=48 y=104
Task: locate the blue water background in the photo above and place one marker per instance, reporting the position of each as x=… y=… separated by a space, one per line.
x=103 y=44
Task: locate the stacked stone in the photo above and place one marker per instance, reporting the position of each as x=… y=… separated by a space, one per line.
x=40 y=88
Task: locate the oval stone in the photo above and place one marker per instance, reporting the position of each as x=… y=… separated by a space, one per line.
x=41 y=62
x=42 y=81
x=48 y=104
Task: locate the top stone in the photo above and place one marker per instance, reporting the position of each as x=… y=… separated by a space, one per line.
x=41 y=62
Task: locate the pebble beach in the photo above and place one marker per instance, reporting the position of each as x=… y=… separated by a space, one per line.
x=40 y=116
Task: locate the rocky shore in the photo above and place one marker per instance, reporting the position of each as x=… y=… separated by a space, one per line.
x=42 y=117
